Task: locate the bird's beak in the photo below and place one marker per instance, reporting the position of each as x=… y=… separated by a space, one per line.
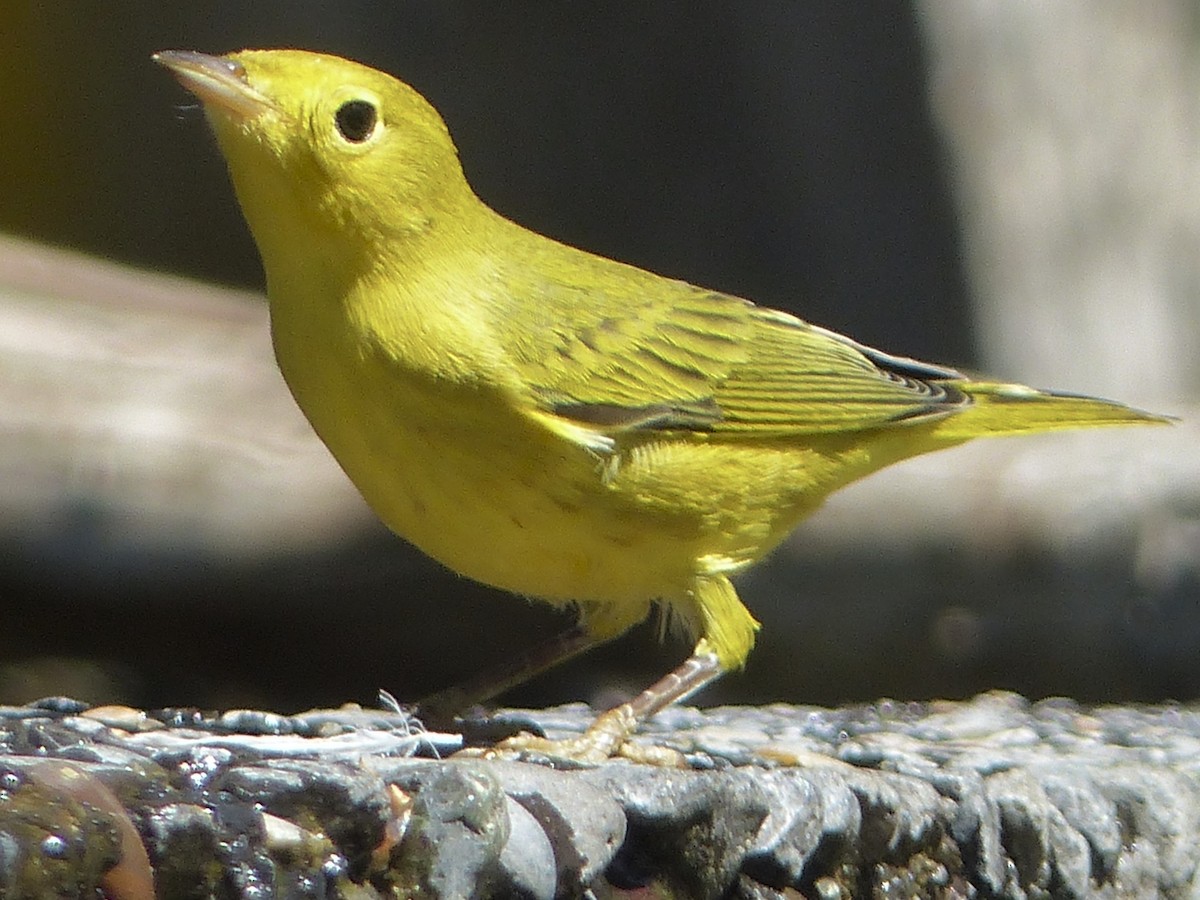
x=220 y=83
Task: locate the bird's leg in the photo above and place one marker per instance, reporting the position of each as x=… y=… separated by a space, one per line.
x=441 y=707
x=697 y=671
x=727 y=633
x=609 y=732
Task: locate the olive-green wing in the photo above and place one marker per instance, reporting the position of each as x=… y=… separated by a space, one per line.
x=801 y=378
x=604 y=357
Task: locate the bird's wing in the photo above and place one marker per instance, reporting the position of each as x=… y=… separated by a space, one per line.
x=688 y=359
x=802 y=378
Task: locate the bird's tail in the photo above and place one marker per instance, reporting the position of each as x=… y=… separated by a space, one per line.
x=999 y=409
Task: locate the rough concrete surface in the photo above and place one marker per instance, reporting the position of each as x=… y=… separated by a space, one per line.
x=992 y=797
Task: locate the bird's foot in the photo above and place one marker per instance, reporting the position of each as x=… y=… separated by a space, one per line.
x=607 y=737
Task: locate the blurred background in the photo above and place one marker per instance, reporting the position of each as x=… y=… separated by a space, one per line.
x=1002 y=186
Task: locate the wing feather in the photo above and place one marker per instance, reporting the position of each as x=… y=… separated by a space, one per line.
x=605 y=357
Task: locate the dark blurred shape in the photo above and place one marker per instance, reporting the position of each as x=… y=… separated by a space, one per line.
x=958 y=634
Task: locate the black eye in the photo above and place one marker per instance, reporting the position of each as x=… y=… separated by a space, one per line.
x=356 y=120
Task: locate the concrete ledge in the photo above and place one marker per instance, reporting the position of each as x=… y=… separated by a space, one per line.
x=988 y=797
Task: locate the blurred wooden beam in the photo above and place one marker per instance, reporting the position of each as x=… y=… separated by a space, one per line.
x=152 y=406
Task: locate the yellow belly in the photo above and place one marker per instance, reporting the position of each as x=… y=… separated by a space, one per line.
x=494 y=494
x=514 y=506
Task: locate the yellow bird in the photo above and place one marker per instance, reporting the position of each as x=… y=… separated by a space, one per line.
x=541 y=419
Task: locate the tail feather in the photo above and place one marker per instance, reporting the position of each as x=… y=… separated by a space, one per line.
x=999 y=409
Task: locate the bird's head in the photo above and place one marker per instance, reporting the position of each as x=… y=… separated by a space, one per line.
x=326 y=151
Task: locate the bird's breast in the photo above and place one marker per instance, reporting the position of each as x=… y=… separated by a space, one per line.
x=465 y=474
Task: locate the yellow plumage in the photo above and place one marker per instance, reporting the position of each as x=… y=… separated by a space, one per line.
x=536 y=417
